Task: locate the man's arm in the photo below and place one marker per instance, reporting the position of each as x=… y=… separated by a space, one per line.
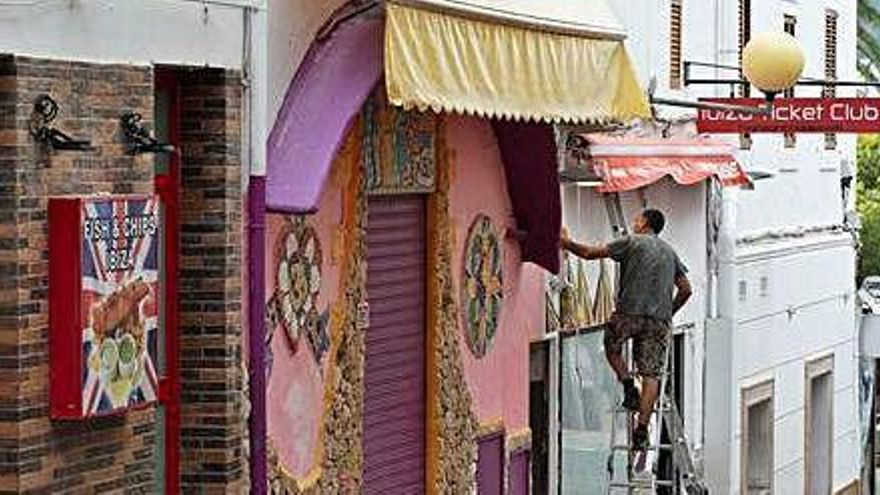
x=683 y=292
x=584 y=251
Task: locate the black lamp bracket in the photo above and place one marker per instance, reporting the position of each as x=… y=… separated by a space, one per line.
x=139 y=138
x=44 y=113
x=688 y=80
x=734 y=82
x=764 y=109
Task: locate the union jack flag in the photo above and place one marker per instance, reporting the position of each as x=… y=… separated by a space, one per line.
x=120 y=299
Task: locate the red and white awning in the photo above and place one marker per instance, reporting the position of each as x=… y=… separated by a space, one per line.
x=627 y=163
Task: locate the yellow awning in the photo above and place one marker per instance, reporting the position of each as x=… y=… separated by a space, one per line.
x=507 y=64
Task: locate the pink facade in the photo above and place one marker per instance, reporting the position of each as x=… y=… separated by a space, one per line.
x=499 y=381
x=295 y=396
x=298 y=392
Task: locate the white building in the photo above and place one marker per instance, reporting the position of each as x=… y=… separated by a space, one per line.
x=778 y=406
x=767 y=349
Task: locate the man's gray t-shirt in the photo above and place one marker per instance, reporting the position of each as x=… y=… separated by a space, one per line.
x=648 y=269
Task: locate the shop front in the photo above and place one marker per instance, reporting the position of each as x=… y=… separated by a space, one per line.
x=608 y=179
x=410 y=228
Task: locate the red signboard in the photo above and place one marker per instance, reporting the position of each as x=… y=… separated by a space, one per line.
x=806 y=115
x=103 y=304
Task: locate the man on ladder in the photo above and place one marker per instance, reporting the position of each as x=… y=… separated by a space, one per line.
x=653 y=286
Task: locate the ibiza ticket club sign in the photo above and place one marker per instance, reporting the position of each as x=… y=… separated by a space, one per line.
x=104 y=304
x=805 y=115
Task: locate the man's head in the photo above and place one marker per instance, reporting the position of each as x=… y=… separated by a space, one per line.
x=649 y=221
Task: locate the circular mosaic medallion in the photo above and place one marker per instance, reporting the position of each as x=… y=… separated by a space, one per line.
x=482 y=285
x=298 y=279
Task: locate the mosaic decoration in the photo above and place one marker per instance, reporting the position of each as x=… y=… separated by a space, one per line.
x=482 y=284
x=399 y=148
x=452 y=405
x=294 y=306
x=338 y=462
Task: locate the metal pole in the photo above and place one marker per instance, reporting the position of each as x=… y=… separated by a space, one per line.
x=765 y=109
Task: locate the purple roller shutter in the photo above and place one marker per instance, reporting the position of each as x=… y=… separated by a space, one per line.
x=394 y=402
x=490 y=465
x=519 y=473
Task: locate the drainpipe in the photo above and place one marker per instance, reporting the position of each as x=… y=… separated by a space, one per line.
x=720 y=395
x=256 y=78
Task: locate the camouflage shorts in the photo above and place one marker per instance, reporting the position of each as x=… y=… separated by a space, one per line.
x=650 y=339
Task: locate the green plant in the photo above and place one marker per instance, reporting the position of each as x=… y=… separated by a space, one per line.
x=868 y=204
x=869 y=39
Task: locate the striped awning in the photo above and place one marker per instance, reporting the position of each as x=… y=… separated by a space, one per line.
x=513 y=59
x=627 y=163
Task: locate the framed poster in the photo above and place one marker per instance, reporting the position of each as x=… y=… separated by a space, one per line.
x=104 y=300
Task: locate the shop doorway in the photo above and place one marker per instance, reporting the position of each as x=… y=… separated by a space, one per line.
x=539 y=415
x=394 y=377
x=166 y=119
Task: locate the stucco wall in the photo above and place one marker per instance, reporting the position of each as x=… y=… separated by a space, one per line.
x=293 y=25
x=499 y=381
x=296 y=386
x=144 y=32
x=803 y=316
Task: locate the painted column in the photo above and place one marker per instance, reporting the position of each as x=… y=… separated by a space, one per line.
x=255 y=64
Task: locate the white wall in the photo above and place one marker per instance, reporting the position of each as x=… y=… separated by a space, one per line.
x=293 y=25
x=138 y=32
x=770 y=342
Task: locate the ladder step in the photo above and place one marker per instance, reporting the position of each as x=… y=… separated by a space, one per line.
x=621 y=410
x=640 y=484
x=621 y=446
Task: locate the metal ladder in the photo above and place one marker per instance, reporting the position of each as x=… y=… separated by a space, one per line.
x=642 y=468
x=682 y=461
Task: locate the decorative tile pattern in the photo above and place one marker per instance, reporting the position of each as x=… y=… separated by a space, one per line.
x=294 y=306
x=482 y=284
x=454 y=422
x=339 y=463
x=399 y=148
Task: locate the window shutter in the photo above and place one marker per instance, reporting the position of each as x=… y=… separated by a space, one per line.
x=790 y=28
x=830 y=67
x=745 y=34
x=675 y=44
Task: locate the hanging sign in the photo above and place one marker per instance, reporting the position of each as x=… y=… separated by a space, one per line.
x=103 y=304
x=805 y=115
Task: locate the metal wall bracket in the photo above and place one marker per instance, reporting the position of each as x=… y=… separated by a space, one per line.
x=44 y=113
x=138 y=136
x=765 y=109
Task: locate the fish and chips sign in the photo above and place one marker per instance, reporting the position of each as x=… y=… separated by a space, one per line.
x=794 y=115
x=104 y=304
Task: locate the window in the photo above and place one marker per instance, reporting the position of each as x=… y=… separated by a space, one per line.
x=819 y=424
x=675 y=44
x=743 y=290
x=790 y=25
x=830 y=67
x=745 y=34
x=756 y=444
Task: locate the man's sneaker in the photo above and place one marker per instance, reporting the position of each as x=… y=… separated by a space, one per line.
x=640 y=437
x=631 y=397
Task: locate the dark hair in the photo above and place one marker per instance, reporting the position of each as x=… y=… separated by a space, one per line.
x=655 y=220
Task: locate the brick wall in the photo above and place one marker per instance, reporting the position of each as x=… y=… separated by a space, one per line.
x=37 y=455
x=210 y=289
x=41 y=456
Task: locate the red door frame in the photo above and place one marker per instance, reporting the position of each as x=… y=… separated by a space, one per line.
x=168 y=188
